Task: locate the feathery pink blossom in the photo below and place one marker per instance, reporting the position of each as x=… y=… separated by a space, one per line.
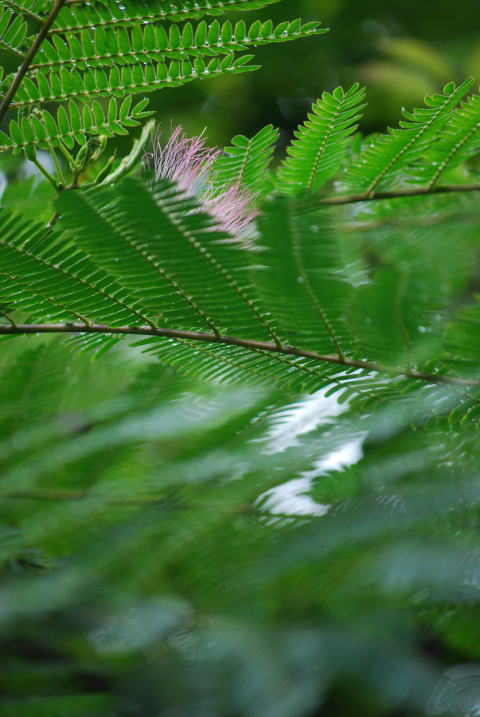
x=232 y=208
x=188 y=162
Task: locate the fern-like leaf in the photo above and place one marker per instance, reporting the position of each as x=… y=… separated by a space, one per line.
x=384 y=160
x=300 y=279
x=459 y=140
x=119 y=46
x=80 y=16
x=246 y=161
x=168 y=254
x=72 y=125
x=119 y=81
x=319 y=149
x=49 y=279
x=13 y=32
x=33 y=9
x=236 y=365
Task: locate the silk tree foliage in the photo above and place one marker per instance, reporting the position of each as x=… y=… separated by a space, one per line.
x=148 y=564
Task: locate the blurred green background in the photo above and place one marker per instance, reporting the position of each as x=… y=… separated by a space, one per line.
x=400 y=49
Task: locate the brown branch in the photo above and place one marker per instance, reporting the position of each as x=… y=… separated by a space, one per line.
x=70 y=495
x=22 y=70
x=73 y=496
x=253 y=345
x=396 y=194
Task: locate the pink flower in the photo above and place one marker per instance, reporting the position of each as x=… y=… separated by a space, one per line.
x=189 y=163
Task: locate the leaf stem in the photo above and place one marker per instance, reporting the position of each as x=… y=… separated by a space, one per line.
x=393 y=194
x=67 y=496
x=54 y=157
x=46 y=174
x=212 y=338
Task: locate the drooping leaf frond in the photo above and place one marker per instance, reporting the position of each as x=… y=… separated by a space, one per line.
x=191 y=276
x=300 y=278
x=297 y=308
x=48 y=279
x=236 y=365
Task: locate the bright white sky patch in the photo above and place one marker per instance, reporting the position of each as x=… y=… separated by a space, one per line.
x=293 y=497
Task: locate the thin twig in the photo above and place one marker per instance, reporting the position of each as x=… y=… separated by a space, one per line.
x=46 y=173
x=22 y=70
x=70 y=495
x=232 y=341
x=73 y=496
x=394 y=194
